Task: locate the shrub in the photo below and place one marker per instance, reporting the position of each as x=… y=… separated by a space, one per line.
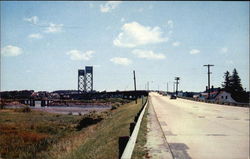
x=113 y=107
x=87 y=121
x=25 y=109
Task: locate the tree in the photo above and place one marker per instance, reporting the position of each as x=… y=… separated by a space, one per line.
x=233 y=85
x=227 y=83
x=235 y=82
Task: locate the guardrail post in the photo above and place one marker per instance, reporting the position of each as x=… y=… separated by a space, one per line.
x=122 y=144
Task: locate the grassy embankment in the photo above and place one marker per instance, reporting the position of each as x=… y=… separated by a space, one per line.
x=42 y=135
x=104 y=142
x=140 y=151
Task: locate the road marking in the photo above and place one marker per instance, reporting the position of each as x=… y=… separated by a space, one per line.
x=216 y=135
x=219 y=117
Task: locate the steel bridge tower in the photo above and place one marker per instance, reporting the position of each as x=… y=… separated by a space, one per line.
x=88 y=78
x=85 y=79
x=81 y=81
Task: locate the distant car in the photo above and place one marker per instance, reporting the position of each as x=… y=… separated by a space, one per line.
x=172 y=97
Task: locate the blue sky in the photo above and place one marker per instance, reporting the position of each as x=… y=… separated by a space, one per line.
x=43 y=44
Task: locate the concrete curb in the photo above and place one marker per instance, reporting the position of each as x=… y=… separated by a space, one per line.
x=128 y=151
x=166 y=141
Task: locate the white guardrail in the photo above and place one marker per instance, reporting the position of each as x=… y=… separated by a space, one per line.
x=128 y=151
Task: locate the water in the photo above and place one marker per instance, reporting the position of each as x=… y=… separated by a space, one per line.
x=74 y=110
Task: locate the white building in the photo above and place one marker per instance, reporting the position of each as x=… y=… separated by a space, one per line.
x=225 y=97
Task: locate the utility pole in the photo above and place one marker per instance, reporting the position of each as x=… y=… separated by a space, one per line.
x=134 y=80
x=148 y=85
x=167 y=87
x=173 y=87
x=177 y=79
x=208 y=73
x=135 y=85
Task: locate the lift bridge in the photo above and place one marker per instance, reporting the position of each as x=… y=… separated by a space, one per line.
x=85 y=79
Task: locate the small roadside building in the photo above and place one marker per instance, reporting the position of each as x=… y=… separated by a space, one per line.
x=224 y=97
x=204 y=95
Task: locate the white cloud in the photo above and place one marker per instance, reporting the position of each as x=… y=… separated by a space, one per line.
x=108 y=6
x=121 y=61
x=134 y=34
x=170 y=24
x=194 y=51
x=177 y=43
x=78 y=55
x=148 y=54
x=32 y=20
x=11 y=50
x=53 y=28
x=35 y=36
x=224 y=50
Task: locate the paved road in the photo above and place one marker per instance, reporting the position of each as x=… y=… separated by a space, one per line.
x=196 y=130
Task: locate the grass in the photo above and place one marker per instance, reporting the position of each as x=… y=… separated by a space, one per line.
x=139 y=150
x=33 y=134
x=103 y=143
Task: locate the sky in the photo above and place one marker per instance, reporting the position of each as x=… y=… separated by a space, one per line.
x=43 y=44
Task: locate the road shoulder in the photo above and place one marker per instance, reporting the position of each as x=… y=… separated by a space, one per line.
x=156 y=143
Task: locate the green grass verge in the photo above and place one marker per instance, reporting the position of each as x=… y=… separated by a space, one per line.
x=140 y=150
x=103 y=142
